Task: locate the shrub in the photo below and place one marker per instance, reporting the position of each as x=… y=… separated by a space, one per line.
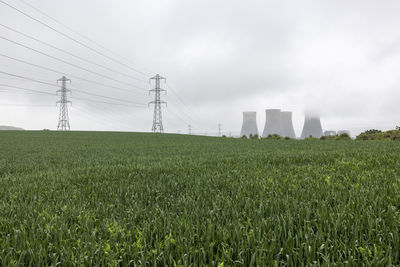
x=343 y=136
x=254 y=136
x=274 y=137
x=373 y=131
x=311 y=138
x=379 y=135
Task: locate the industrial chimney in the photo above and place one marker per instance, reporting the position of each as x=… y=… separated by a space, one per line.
x=273 y=122
x=287 y=124
x=249 y=125
x=312 y=126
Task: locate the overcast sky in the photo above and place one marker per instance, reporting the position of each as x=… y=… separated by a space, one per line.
x=220 y=58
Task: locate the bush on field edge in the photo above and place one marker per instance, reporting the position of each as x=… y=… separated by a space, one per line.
x=379 y=135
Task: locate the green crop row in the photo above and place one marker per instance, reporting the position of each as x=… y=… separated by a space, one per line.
x=87 y=198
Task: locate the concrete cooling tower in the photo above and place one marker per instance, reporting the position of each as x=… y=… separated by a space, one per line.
x=287 y=124
x=249 y=125
x=273 y=122
x=312 y=126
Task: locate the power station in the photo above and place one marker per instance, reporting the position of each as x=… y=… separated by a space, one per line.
x=312 y=126
x=249 y=126
x=273 y=122
x=279 y=122
x=287 y=124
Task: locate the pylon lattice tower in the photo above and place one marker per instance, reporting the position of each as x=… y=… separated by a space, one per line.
x=157 y=116
x=63 y=118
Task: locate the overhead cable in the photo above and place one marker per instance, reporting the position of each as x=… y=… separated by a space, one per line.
x=71 y=38
x=69 y=63
x=71 y=54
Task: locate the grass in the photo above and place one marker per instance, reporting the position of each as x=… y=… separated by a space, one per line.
x=92 y=198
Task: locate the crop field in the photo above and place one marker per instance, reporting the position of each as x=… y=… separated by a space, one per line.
x=93 y=198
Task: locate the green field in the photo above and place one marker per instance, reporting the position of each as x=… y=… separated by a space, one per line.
x=92 y=198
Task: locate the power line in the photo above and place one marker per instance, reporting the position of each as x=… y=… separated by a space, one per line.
x=121 y=124
x=24 y=105
x=70 y=75
x=181 y=119
x=170 y=110
x=177 y=116
x=90 y=114
x=72 y=96
x=104 y=102
x=107 y=97
x=71 y=54
x=77 y=90
x=27 y=78
x=8 y=91
x=183 y=103
x=26 y=89
x=82 y=44
x=38 y=73
x=180 y=100
x=71 y=38
x=69 y=63
x=183 y=112
x=83 y=36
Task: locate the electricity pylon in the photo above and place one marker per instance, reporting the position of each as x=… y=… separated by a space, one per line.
x=157 y=116
x=63 y=118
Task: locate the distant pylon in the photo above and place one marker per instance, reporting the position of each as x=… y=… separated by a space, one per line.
x=63 y=118
x=219 y=129
x=190 y=129
x=157 y=116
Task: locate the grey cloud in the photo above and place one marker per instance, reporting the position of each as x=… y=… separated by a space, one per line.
x=221 y=57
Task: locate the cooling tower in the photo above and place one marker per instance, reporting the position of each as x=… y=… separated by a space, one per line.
x=287 y=124
x=249 y=125
x=312 y=126
x=273 y=122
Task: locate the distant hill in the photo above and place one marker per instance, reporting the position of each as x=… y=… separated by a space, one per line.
x=10 y=128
